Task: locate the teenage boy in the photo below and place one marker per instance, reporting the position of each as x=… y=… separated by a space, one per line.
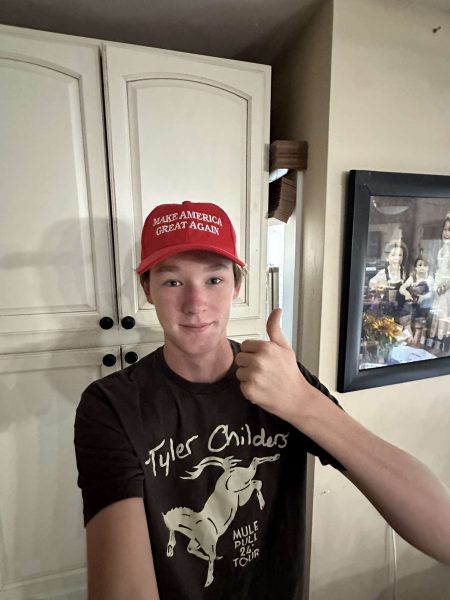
x=192 y=461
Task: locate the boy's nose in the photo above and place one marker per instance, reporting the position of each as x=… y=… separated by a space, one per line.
x=194 y=299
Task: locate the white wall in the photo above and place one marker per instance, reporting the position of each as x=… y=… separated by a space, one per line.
x=389 y=109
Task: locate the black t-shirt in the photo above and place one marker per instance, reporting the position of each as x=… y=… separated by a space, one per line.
x=223 y=481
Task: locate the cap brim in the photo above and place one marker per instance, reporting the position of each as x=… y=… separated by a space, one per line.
x=164 y=253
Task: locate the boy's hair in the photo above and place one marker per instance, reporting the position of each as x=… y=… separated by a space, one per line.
x=238 y=272
x=423 y=259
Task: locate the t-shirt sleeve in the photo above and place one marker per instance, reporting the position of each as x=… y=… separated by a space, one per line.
x=313 y=448
x=109 y=469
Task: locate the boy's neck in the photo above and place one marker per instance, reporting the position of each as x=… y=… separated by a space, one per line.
x=200 y=368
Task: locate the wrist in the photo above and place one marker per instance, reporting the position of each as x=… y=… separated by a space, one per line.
x=309 y=409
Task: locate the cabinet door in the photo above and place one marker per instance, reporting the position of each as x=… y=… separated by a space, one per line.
x=186 y=127
x=131 y=353
x=55 y=246
x=42 y=540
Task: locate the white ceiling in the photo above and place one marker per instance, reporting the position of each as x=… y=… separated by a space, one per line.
x=255 y=30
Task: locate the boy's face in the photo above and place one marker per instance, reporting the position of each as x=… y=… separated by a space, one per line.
x=421 y=268
x=192 y=294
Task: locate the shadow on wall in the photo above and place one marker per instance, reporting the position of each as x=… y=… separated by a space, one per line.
x=431 y=584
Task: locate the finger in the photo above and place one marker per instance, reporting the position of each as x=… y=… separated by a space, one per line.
x=246 y=391
x=241 y=374
x=243 y=359
x=252 y=345
x=274 y=329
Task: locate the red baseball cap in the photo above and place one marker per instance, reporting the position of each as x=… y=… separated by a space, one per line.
x=173 y=228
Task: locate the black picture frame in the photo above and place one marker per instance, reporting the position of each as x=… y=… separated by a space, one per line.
x=386 y=209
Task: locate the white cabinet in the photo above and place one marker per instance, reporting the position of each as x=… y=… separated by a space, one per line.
x=184 y=127
x=42 y=547
x=179 y=127
x=56 y=260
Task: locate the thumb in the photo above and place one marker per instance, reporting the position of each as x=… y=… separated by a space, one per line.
x=274 y=328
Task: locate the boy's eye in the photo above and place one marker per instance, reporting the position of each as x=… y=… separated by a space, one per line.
x=214 y=280
x=172 y=283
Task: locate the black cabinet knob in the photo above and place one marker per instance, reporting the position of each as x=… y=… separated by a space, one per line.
x=128 y=322
x=109 y=360
x=106 y=322
x=131 y=357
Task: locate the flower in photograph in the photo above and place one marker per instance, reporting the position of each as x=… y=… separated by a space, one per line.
x=382 y=330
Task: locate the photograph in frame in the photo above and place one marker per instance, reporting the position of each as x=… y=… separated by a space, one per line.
x=395 y=304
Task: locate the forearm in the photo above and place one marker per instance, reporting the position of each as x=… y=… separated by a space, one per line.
x=404 y=288
x=413 y=501
x=118 y=589
x=122 y=581
x=120 y=561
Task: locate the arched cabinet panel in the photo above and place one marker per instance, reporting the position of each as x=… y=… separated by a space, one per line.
x=185 y=127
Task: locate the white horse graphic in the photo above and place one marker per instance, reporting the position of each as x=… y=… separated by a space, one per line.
x=233 y=489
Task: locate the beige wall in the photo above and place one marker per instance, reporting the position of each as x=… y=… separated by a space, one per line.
x=387 y=108
x=300 y=106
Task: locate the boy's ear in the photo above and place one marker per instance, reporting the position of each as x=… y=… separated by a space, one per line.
x=237 y=289
x=146 y=288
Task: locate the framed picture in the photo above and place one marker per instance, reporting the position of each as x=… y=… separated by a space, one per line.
x=395 y=308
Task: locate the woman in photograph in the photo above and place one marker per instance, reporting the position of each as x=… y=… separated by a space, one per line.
x=440 y=311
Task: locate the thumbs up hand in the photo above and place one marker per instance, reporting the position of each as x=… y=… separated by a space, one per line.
x=268 y=372
x=274 y=331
